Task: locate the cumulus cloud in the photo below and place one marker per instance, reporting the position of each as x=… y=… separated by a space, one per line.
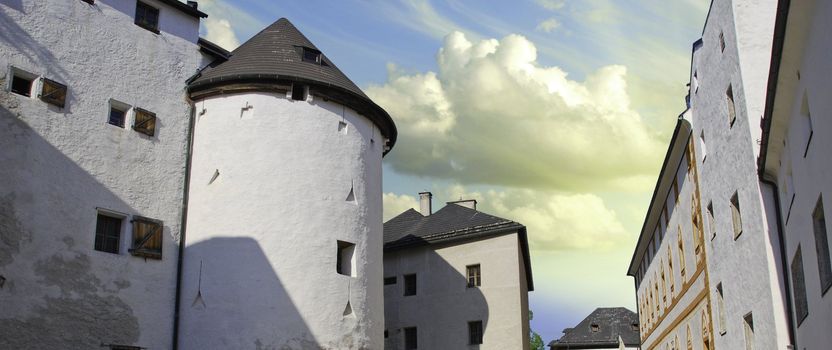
x=492 y=114
x=219 y=31
x=548 y=25
x=552 y=5
x=395 y=204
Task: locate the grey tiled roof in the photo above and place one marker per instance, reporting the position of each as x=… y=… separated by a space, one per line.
x=274 y=56
x=452 y=223
x=612 y=322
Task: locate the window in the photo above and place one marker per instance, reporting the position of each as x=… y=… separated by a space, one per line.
x=147 y=17
x=664 y=284
x=594 y=328
x=91 y=2
x=670 y=271
x=807 y=122
x=748 y=326
x=145 y=122
x=386 y=334
x=736 y=215
x=822 y=246
x=689 y=337
x=346 y=259
x=52 y=92
x=682 y=261
x=22 y=82
x=473 y=275
x=711 y=220
x=147 y=238
x=720 y=305
x=410 y=339
x=732 y=112
x=703 y=146
x=107 y=233
x=706 y=332
x=298 y=92
x=475 y=332
x=721 y=42
x=801 y=304
x=634 y=326
x=696 y=221
x=311 y=55
x=410 y=284
x=118 y=113
x=389 y=280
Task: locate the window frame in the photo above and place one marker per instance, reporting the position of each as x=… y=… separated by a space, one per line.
x=475 y=332
x=98 y=243
x=15 y=72
x=477 y=276
x=57 y=88
x=144 y=24
x=346 y=250
x=410 y=286
x=119 y=106
x=411 y=333
x=801 y=301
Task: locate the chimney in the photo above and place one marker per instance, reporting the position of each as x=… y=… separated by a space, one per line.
x=425 y=203
x=468 y=203
x=193 y=4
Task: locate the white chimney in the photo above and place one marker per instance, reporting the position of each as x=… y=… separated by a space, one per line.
x=425 y=203
x=468 y=203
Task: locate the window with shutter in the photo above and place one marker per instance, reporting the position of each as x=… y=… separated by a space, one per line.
x=801 y=304
x=52 y=92
x=107 y=233
x=147 y=238
x=736 y=215
x=822 y=246
x=145 y=122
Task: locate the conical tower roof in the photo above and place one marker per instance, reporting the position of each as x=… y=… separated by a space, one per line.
x=275 y=56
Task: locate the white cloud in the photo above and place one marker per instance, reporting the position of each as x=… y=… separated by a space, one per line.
x=219 y=31
x=552 y=5
x=395 y=204
x=492 y=114
x=548 y=25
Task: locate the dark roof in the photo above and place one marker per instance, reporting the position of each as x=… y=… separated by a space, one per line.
x=612 y=322
x=452 y=223
x=213 y=49
x=274 y=56
x=187 y=9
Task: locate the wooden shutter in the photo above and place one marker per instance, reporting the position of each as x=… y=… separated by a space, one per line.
x=147 y=238
x=145 y=122
x=53 y=93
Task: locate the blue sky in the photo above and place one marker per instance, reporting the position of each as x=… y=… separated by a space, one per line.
x=553 y=113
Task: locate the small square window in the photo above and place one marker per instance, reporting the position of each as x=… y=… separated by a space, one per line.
x=410 y=284
x=147 y=238
x=118 y=113
x=346 y=259
x=107 y=233
x=410 y=338
x=298 y=92
x=145 y=122
x=475 y=332
x=147 y=17
x=389 y=280
x=473 y=272
x=22 y=82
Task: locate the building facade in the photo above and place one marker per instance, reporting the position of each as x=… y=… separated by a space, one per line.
x=455 y=279
x=794 y=163
x=604 y=328
x=160 y=192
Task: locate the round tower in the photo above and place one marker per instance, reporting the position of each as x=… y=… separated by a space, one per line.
x=284 y=222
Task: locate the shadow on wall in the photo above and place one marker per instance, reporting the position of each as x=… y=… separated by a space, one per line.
x=443 y=305
x=233 y=298
x=57 y=292
x=15 y=36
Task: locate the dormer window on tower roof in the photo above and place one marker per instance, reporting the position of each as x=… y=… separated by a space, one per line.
x=311 y=55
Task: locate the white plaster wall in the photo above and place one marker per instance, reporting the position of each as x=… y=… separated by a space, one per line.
x=810 y=174
x=443 y=305
x=260 y=260
x=59 y=165
x=746 y=266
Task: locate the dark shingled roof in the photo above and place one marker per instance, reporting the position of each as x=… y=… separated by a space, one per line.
x=452 y=223
x=274 y=56
x=187 y=9
x=612 y=322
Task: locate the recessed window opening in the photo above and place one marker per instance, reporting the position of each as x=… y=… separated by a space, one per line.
x=720 y=305
x=695 y=82
x=702 y=146
x=410 y=284
x=410 y=338
x=108 y=232
x=22 y=82
x=822 y=246
x=298 y=92
x=732 y=112
x=147 y=17
x=801 y=303
x=473 y=273
x=346 y=259
x=595 y=328
x=736 y=215
x=475 y=332
x=311 y=55
x=118 y=113
x=748 y=326
x=389 y=280
x=711 y=220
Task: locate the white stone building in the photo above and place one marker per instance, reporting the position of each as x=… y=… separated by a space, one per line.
x=116 y=117
x=455 y=279
x=794 y=162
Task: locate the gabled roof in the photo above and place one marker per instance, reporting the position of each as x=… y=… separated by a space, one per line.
x=274 y=56
x=452 y=223
x=612 y=322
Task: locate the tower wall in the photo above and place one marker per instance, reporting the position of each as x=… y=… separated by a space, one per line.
x=275 y=185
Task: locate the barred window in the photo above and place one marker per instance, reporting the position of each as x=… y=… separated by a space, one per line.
x=475 y=332
x=107 y=233
x=145 y=122
x=147 y=238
